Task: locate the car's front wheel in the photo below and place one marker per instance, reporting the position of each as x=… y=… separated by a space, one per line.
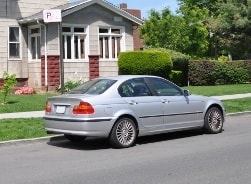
x=74 y=138
x=124 y=133
x=213 y=122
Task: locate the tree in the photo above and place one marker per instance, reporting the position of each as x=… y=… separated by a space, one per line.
x=176 y=32
x=9 y=82
x=228 y=24
x=195 y=18
x=202 y=28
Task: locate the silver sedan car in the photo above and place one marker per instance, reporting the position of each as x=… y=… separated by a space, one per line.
x=121 y=108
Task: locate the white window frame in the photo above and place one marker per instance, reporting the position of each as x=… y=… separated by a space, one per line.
x=36 y=36
x=72 y=34
x=17 y=42
x=110 y=36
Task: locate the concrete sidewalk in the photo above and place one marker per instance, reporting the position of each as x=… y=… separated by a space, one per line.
x=230 y=97
x=37 y=114
x=32 y=114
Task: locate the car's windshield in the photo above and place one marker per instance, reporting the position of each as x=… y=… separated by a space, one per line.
x=93 y=87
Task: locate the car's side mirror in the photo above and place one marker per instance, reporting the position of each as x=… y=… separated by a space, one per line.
x=186 y=92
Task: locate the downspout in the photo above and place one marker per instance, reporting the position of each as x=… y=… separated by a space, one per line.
x=45 y=58
x=45 y=55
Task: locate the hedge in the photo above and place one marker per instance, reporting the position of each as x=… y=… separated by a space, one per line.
x=215 y=72
x=145 y=63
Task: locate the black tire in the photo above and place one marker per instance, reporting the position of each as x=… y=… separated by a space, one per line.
x=213 y=122
x=74 y=138
x=123 y=134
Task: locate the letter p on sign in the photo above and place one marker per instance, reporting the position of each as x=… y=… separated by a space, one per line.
x=53 y=15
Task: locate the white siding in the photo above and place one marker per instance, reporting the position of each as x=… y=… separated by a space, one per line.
x=96 y=16
x=35 y=75
x=10 y=12
x=108 y=68
x=76 y=71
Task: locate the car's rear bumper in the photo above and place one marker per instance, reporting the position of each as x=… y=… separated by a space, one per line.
x=99 y=127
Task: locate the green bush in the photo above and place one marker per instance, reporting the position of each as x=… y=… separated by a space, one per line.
x=145 y=63
x=247 y=66
x=215 y=72
x=180 y=63
x=69 y=85
x=200 y=73
x=9 y=82
x=176 y=77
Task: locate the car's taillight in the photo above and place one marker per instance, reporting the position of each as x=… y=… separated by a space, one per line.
x=47 y=107
x=83 y=108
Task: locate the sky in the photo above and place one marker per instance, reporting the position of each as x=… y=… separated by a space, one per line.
x=146 y=5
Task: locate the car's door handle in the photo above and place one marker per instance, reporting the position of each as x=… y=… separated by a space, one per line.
x=133 y=102
x=164 y=101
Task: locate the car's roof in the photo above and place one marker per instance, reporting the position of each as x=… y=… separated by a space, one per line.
x=125 y=77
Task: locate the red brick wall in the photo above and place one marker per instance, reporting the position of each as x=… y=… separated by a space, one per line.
x=93 y=66
x=137 y=41
x=53 y=72
x=1 y=83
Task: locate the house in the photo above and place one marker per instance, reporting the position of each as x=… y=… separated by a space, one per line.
x=84 y=45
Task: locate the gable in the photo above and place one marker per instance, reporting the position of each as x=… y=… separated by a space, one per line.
x=71 y=8
x=96 y=14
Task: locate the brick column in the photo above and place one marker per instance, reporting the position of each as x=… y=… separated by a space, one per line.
x=93 y=66
x=1 y=83
x=53 y=72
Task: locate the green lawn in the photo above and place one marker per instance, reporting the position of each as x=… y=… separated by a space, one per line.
x=220 y=89
x=24 y=103
x=13 y=129
x=237 y=105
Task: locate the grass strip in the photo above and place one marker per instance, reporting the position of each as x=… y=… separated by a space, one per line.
x=23 y=128
x=237 y=105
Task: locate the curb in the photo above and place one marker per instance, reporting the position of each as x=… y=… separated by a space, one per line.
x=239 y=113
x=32 y=140
x=60 y=137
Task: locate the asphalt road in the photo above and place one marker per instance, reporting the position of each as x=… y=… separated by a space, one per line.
x=189 y=157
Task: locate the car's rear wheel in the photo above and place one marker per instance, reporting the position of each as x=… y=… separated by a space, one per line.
x=213 y=122
x=124 y=133
x=74 y=138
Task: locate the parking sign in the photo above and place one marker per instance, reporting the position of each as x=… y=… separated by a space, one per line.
x=53 y=15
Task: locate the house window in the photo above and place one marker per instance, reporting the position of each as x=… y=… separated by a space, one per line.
x=74 y=42
x=35 y=43
x=14 y=43
x=110 y=42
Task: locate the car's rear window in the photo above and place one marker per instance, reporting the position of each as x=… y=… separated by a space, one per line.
x=93 y=87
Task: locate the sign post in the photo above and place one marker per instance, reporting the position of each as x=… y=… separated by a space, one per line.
x=54 y=15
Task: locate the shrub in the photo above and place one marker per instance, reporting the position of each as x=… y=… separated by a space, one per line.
x=69 y=85
x=145 y=63
x=25 y=90
x=176 y=77
x=215 y=72
x=200 y=73
x=180 y=63
x=9 y=82
x=247 y=66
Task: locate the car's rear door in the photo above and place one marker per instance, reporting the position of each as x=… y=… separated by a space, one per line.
x=147 y=107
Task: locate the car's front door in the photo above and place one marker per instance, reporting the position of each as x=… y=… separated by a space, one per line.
x=179 y=111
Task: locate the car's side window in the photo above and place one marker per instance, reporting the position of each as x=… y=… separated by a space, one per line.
x=133 y=88
x=165 y=88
